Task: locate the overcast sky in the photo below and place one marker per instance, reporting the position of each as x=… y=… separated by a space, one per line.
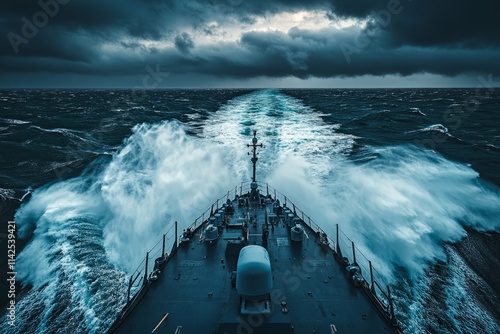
x=243 y=43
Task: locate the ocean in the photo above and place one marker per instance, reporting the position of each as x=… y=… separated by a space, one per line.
x=94 y=177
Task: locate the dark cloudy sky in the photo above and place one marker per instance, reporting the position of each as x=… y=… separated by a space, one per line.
x=243 y=43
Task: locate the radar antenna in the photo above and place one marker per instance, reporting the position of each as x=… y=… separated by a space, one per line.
x=254 y=159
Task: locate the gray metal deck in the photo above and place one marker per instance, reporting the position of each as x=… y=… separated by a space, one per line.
x=195 y=287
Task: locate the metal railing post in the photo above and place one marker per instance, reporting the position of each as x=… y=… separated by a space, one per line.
x=353 y=254
x=391 y=306
x=146 y=270
x=176 y=235
x=337 y=245
x=163 y=247
x=129 y=287
x=372 y=287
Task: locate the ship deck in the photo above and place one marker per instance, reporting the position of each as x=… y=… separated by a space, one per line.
x=312 y=290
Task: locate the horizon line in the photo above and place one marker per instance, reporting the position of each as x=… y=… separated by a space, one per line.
x=240 y=88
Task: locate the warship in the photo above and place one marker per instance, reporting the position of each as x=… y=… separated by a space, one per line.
x=254 y=262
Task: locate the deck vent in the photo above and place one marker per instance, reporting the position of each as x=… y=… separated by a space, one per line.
x=218 y=219
x=211 y=233
x=212 y=220
x=297 y=232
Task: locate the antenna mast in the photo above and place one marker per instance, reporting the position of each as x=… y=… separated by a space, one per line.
x=254 y=159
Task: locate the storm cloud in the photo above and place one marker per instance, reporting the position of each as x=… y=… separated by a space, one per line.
x=249 y=39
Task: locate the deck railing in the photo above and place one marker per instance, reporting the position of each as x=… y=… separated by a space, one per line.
x=341 y=245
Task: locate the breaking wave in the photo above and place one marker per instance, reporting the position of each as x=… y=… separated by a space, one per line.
x=91 y=231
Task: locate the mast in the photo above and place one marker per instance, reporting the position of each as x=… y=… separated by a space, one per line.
x=254 y=159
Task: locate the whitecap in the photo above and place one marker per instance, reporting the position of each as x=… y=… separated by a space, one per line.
x=416 y=110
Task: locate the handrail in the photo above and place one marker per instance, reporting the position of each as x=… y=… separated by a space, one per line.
x=343 y=247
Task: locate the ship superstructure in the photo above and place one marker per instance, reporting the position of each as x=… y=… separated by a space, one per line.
x=255 y=263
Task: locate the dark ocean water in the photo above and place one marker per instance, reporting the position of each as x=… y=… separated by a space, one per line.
x=411 y=175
